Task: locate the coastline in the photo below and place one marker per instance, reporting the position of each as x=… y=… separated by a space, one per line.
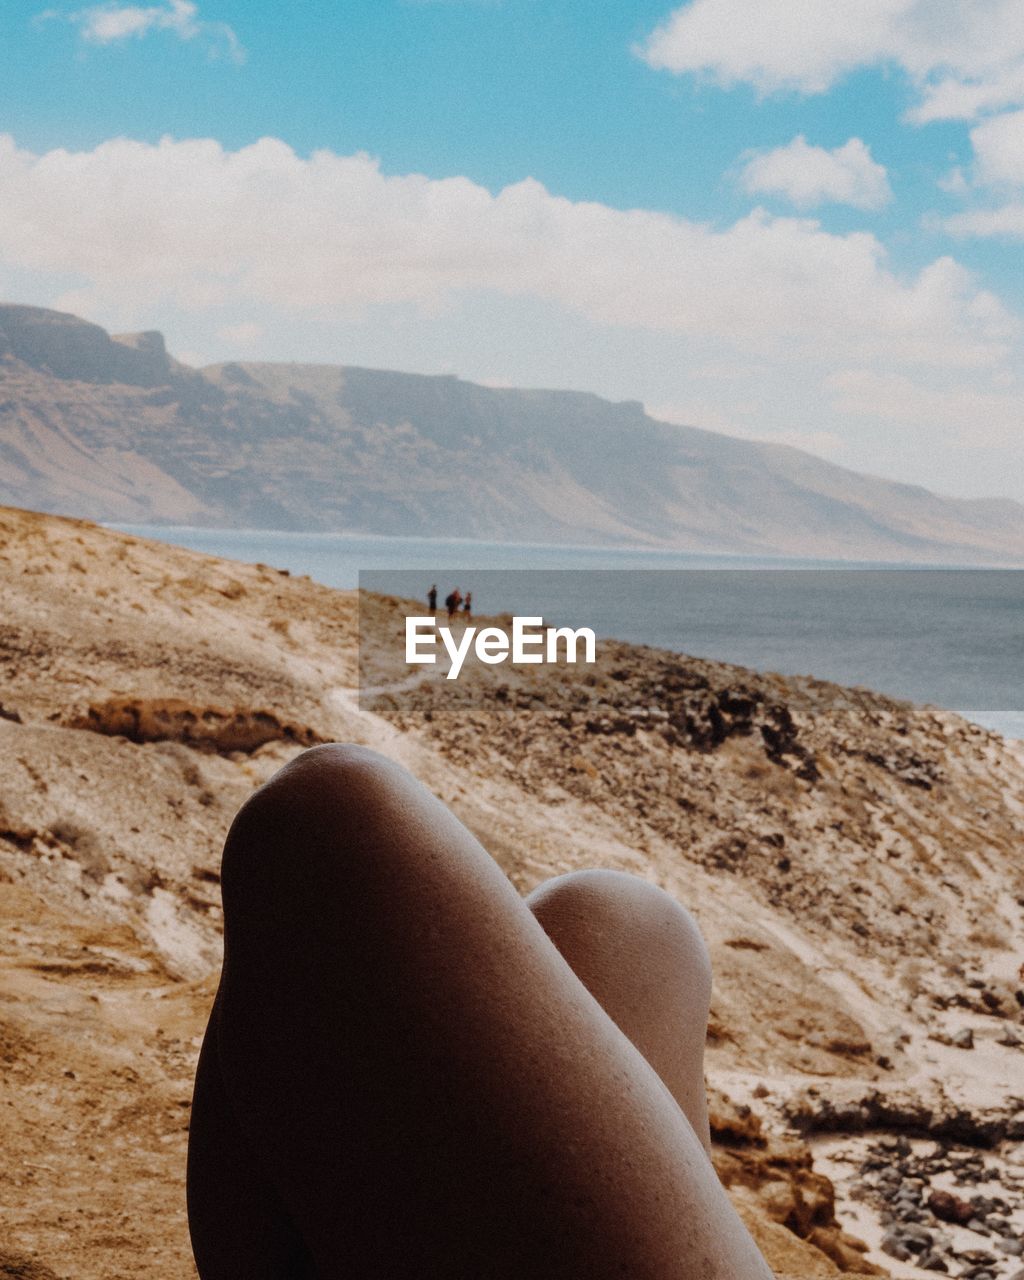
x=719 y=619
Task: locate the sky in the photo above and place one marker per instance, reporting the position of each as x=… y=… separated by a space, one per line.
x=786 y=220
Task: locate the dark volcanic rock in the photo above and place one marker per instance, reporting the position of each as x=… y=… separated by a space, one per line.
x=949 y=1208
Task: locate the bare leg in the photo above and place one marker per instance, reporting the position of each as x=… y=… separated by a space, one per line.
x=641 y=956
x=420 y=1084
x=638 y=953
x=239 y=1225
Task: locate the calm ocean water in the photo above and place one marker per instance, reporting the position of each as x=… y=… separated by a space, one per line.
x=951 y=637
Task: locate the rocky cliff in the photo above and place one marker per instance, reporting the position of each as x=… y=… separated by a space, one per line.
x=113 y=429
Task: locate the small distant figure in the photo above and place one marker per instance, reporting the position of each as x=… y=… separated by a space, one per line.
x=452 y=602
x=432 y=599
x=467 y=604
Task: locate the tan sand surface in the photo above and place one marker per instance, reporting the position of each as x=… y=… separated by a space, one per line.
x=854 y=862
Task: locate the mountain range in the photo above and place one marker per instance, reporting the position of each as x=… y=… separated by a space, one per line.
x=112 y=428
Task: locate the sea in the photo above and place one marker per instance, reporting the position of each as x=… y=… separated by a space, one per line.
x=949 y=637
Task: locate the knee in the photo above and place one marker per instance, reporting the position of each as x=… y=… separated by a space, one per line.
x=614 y=913
x=302 y=831
x=335 y=777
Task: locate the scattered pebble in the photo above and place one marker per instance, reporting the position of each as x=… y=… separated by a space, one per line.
x=916 y=1214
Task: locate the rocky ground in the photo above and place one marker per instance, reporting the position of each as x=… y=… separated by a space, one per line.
x=854 y=863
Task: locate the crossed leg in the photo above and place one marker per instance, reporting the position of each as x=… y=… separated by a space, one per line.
x=410 y=1073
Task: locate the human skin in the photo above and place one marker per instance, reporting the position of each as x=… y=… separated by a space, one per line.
x=642 y=957
x=406 y=1076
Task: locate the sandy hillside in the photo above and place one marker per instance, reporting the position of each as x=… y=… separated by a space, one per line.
x=854 y=862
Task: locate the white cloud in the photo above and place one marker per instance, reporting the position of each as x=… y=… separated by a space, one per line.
x=954 y=183
x=964 y=58
x=980 y=415
x=999 y=150
x=998 y=169
x=193 y=224
x=109 y=23
x=1005 y=222
x=103 y=24
x=967 y=98
x=810 y=176
x=773 y=44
